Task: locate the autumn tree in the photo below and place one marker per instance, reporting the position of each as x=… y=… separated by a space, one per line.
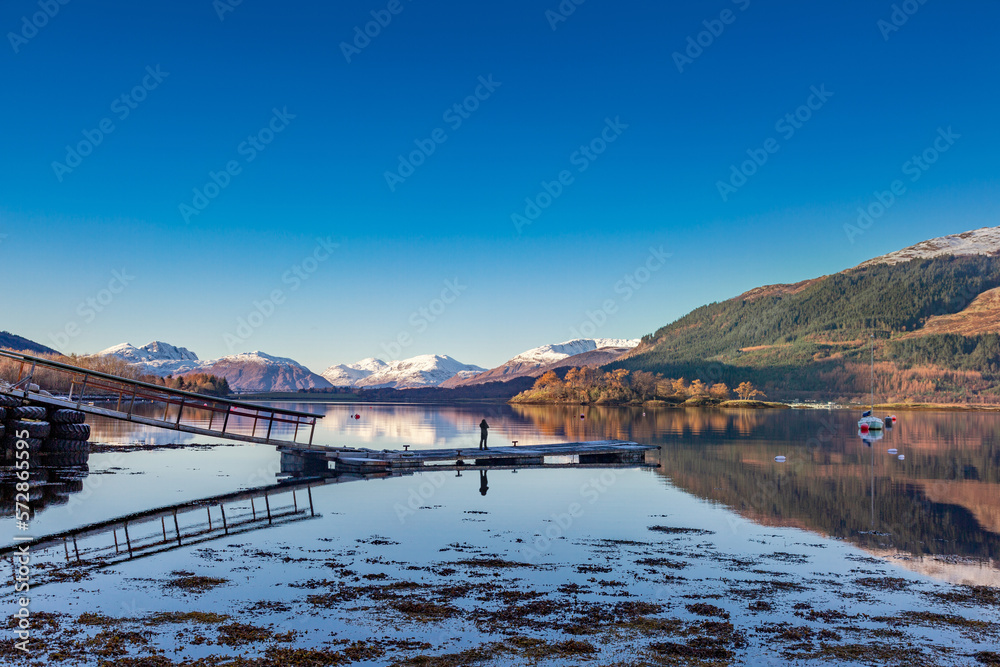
x=746 y=391
x=720 y=390
x=644 y=384
x=680 y=387
x=698 y=388
x=548 y=380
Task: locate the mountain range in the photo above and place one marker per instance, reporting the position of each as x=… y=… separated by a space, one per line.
x=933 y=310
x=254 y=372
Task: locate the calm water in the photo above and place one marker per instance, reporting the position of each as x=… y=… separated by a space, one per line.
x=839 y=507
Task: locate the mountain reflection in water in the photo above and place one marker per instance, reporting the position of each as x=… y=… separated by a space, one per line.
x=943 y=500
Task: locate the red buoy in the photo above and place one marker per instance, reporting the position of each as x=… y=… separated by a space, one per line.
x=864 y=428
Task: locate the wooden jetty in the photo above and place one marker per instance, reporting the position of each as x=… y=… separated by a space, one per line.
x=602 y=452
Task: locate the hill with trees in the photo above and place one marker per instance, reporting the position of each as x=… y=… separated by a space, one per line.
x=811 y=340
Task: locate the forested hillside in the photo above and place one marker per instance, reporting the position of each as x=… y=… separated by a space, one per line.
x=811 y=340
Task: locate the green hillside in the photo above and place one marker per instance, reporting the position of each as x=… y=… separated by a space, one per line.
x=811 y=340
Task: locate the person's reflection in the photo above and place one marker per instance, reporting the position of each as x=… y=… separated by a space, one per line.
x=484 y=485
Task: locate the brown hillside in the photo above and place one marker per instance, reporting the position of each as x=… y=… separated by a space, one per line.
x=981 y=316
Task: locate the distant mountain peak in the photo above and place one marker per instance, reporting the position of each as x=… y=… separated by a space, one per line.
x=983 y=241
x=424 y=370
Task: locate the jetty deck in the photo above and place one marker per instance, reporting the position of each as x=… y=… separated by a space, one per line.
x=613 y=452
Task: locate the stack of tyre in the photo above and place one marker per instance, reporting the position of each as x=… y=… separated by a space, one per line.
x=68 y=442
x=23 y=422
x=60 y=436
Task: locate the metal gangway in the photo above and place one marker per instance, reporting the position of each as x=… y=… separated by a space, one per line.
x=154 y=531
x=47 y=382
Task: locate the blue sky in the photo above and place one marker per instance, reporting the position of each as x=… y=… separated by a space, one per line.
x=271 y=82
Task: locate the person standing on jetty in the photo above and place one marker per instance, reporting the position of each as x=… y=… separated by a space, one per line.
x=483 y=432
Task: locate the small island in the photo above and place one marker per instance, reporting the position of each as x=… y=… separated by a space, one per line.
x=589 y=386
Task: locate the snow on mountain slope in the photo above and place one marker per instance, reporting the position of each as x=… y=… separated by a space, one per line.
x=158 y=358
x=529 y=362
x=260 y=372
x=346 y=375
x=985 y=241
x=427 y=370
x=546 y=354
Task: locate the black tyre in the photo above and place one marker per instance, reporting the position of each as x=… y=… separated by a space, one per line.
x=29 y=412
x=71 y=431
x=34 y=429
x=65 y=416
x=2 y=429
x=9 y=401
x=34 y=444
x=66 y=459
x=61 y=445
x=3 y=414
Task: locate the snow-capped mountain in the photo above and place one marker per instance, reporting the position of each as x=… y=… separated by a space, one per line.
x=984 y=241
x=534 y=362
x=346 y=375
x=260 y=372
x=427 y=370
x=546 y=354
x=246 y=372
x=157 y=358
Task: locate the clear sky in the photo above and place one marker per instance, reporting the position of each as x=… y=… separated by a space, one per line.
x=289 y=122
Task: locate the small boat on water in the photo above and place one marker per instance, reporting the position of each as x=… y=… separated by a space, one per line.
x=868 y=421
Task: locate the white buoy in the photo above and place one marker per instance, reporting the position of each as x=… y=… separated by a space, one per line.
x=779 y=459
x=893 y=451
x=902 y=458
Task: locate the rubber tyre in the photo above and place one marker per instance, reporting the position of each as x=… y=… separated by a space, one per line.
x=61 y=445
x=34 y=444
x=66 y=459
x=66 y=416
x=2 y=429
x=9 y=401
x=71 y=431
x=3 y=414
x=29 y=412
x=34 y=429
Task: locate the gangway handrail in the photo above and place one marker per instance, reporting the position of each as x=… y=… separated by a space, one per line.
x=41 y=361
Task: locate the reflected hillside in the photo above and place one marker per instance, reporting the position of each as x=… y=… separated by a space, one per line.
x=944 y=498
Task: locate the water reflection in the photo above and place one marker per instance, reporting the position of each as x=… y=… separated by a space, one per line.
x=942 y=498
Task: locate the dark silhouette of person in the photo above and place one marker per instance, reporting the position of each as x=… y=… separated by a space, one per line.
x=483 y=432
x=484 y=484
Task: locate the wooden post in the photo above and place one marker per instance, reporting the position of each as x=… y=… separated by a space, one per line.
x=310 y=491
x=128 y=541
x=253 y=509
x=225 y=527
x=66 y=547
x=267 y=503
x=177 y=527
x=76 y=550
x=179 y=411
x=163 y=524
x=116 y=540
x=295 y=502
x=209 y=510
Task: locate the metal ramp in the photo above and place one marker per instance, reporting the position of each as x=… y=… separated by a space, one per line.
x=47 y=382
